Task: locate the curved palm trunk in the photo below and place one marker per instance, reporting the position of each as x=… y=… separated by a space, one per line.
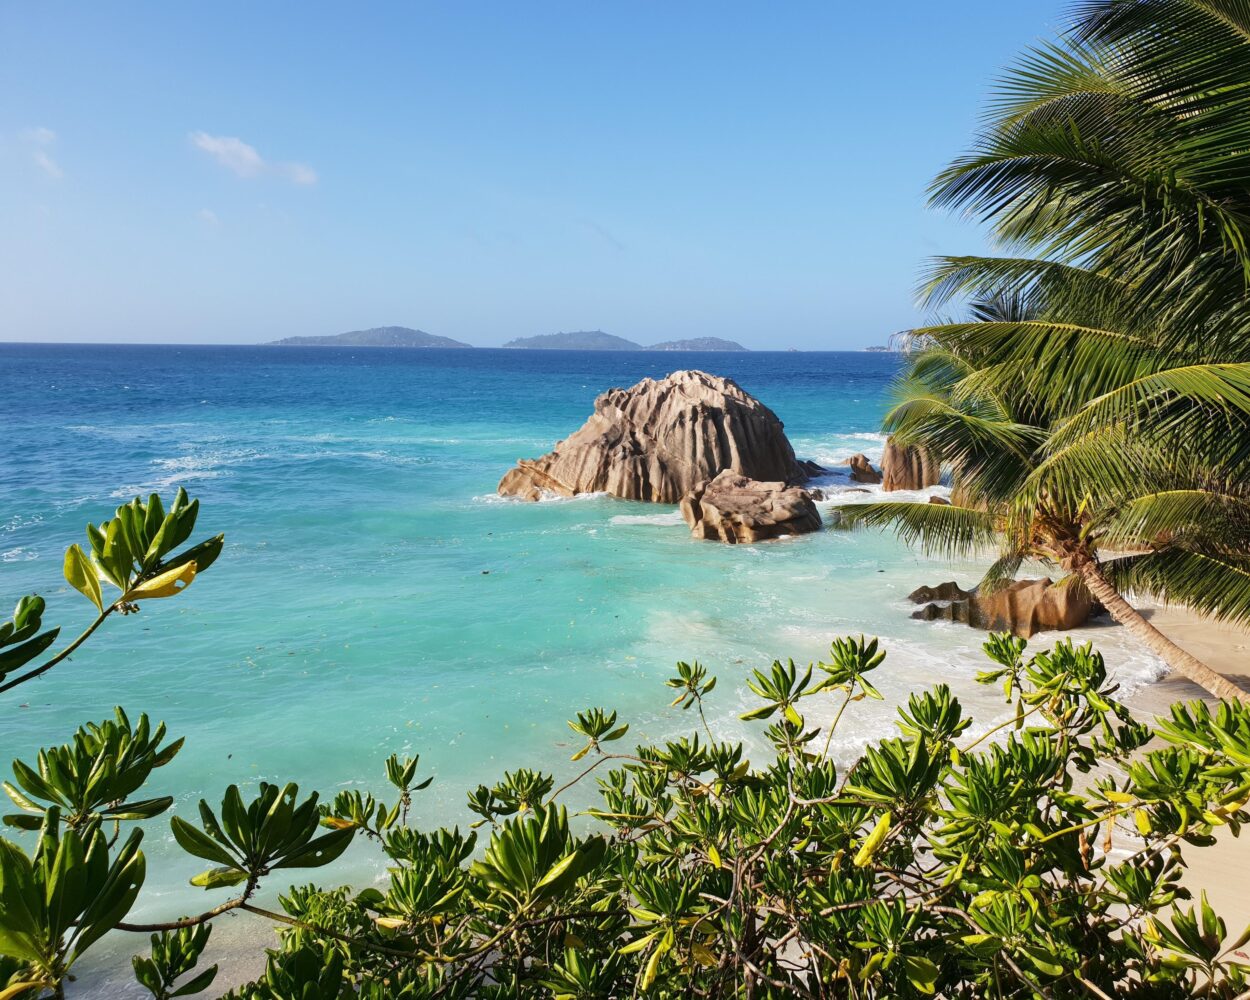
x=1137 y=626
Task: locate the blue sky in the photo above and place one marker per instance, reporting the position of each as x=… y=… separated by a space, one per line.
x=239 y=172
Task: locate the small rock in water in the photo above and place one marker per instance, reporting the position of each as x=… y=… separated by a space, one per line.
x=733 y=508
x=862 y=470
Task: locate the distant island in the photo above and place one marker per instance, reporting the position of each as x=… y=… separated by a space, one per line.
x=698 y=344
x=379 y=336
x=878 y=349
x=580 y=340
x=597 y=340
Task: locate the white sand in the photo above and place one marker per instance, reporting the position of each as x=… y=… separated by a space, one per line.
x=1222 y=871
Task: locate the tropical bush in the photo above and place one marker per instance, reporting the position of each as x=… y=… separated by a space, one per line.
x=1093 y=409
x=1037 y=855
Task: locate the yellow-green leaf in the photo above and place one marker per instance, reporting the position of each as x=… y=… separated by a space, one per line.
x=653 y=965
x=165 y=584
x=81 y=574
x=702 y=954
x=638 y=945
x=874 y=840
x=713 y=855
x=17 y=989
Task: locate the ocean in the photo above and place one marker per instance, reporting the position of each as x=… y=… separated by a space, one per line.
x=375 y=596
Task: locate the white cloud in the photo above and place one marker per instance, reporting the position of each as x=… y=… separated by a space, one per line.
x=38 y=140
x=209 y=217
x=48 y=165
x=237 y=156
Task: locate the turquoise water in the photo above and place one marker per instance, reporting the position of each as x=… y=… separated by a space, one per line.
x=375 y=597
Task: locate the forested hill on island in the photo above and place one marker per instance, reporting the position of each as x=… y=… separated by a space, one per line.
x=698 y=344
x=379 y=336
x=597 y=340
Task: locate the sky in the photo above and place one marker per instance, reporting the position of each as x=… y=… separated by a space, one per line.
x=241 y=172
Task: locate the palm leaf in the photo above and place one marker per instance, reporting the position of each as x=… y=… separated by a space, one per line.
x=940 y=529
x=1215 y=586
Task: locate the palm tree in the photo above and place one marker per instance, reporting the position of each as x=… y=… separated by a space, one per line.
x=1099 y=402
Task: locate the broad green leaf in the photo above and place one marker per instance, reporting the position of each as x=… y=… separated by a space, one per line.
x=922 y=973
x=1042 y=959
x=197 y=985
x=195 y=841
x=319 y=851
x=215 y=878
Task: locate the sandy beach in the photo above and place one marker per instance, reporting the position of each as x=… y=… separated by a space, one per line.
x=1222 y=871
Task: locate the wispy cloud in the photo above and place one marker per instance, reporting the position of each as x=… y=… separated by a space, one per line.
x=39 y=141
x=208 y=217
x=244 y=160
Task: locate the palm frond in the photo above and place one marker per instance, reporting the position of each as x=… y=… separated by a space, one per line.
x=1220 y=519
x=940 y=529
x=1215 y=586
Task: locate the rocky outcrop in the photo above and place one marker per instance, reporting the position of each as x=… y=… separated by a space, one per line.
x=862 y=470
x=1024 y=607
x=658 y=440
x=948 y=591
x=907 y=467
x=733 y=508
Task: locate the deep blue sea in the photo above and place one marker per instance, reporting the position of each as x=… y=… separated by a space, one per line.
x=376 y=597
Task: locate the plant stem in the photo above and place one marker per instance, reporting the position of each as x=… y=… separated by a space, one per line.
x=32 y=674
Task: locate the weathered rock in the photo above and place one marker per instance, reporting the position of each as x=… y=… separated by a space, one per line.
x=907 y=467
x=862 y=470
x=657 y=440
x=733 y=508
x=948 y=591
x=1024 y=607
x=939 y=502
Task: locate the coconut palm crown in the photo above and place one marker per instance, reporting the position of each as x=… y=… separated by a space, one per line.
x=1093 y=410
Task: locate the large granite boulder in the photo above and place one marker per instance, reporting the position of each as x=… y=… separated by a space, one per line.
x=1024 y=607
x=733 y=508
x=658 y=440
x=862 y=470
x=907 y=467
